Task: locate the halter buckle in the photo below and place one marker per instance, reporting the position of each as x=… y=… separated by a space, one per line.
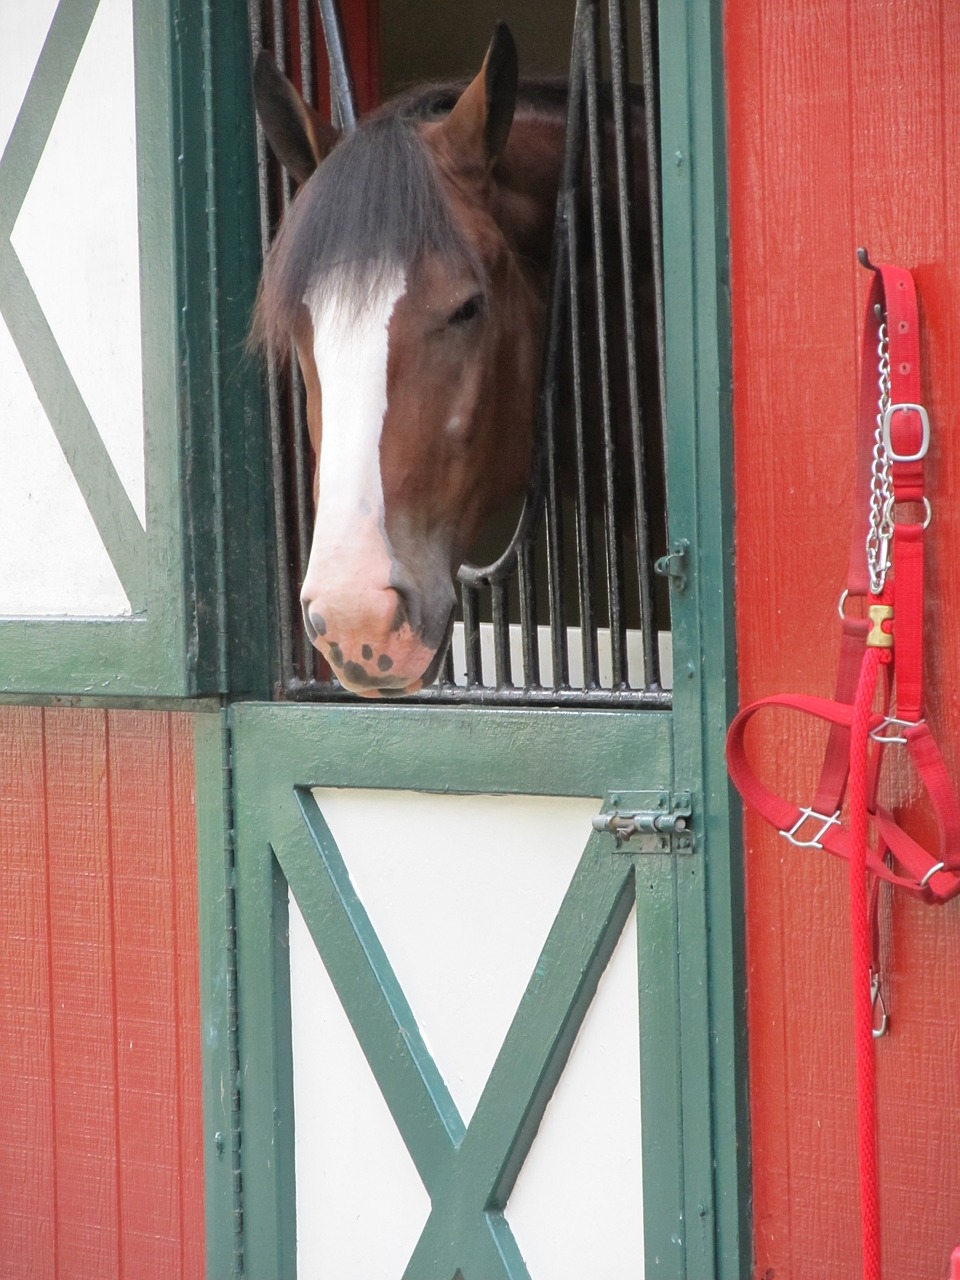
x=826 y=820
x=906 y=407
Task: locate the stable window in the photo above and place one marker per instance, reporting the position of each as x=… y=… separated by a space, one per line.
x=560 y=602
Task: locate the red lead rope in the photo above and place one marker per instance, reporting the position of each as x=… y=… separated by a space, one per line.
x=893 y=436
x=862 y=963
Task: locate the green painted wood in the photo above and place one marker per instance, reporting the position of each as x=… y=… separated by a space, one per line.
x=713 y=1211
x=455 y=749
x=217 y=998
x=228 y=527
x=199 y=578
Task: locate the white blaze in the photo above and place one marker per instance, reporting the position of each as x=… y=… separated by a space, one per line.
x=350 y=347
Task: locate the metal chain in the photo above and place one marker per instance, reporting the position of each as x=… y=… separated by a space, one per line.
x=880 y=531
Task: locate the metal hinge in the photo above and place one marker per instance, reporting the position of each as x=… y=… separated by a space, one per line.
x=674 y=564
x=648 y=821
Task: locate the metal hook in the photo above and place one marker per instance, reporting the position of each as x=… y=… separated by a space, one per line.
x=876 y=1000
x=864 y=259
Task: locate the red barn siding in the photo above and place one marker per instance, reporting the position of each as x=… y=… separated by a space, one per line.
x=844 y=120
x=100 y=1127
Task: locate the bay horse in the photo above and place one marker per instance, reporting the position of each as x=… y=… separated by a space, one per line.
x=411 y=274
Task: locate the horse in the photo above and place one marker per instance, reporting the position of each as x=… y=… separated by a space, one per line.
x=410 y=274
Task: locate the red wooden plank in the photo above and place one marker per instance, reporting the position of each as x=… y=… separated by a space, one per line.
x=101 y=1128
x=187 y=944
x=83 y=993
x=841 y=119
x=147 y=1030
x=28 y=1246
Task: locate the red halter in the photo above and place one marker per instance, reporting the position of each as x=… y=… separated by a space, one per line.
x=886 y=567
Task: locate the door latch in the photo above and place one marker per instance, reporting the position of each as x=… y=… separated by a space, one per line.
x=648 y=821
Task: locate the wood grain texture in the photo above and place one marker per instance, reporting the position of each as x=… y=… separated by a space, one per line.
x=101 y=1129
x=844 y=117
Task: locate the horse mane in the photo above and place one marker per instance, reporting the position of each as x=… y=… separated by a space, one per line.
x=371 y=209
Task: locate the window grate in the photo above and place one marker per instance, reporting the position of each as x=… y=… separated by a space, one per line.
x=570 y=612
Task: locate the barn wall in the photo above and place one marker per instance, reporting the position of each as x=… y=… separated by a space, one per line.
x=844 y=117
x=100 y=1128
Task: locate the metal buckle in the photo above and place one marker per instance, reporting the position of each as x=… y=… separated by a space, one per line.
x=805 y=814
x=878 y=733
x=906 y=407
x=937 y=866
x=877 y=1003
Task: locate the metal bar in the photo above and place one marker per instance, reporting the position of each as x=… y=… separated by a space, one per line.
x=308 y=71
x=588 y=616
x=611 y=503
x=447 y=675
x=529 y=635
x=342 y=96
x=649 y=43
x=471 y=636
x=483 y=695
x=277 y=459
x=622 y=129
x=501 y=635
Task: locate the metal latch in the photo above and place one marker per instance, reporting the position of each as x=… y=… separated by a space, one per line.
x=674 y=564
x=648 y=821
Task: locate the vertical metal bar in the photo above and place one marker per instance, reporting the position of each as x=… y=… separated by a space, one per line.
x=471 y=636
x=649 y=41
x=529 y=636
x=341 y=82
x=610 y=497
x=556 y=319
x=448 y=675
x=622 y=129
x=308 y=72
x=501 y=634
x=277 y=451
x=588 y=616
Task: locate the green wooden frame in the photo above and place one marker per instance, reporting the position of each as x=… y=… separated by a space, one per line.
x=204 y=442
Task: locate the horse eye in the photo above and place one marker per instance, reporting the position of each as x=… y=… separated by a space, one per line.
x=469 y=310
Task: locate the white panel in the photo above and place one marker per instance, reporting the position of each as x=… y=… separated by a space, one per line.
x=462 y=891
x=52 y=559
x=577 y=1207
x=77 y=237
x=360 y=1203
x=23 y=29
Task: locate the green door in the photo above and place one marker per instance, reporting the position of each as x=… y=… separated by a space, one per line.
x=352 y=849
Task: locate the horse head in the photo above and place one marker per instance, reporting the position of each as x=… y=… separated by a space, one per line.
x=407 y=276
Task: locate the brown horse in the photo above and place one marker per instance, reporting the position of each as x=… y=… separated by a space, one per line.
x=411 y=272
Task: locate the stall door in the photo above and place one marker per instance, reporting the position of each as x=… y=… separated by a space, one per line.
x=440 y=989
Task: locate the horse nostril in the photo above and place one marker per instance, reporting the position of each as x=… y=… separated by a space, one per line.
x=313 y=633
x=403 y=610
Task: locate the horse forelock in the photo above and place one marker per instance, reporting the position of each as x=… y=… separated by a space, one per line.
x=373 y=208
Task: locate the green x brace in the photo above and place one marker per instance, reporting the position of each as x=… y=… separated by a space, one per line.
x=469 y=1172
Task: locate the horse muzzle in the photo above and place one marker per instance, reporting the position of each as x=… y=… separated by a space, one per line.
x=374 y=640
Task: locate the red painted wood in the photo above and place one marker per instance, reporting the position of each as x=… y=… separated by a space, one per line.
x=843 y=116
x=101 y=1130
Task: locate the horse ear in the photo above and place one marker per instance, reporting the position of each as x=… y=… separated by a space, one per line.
x=479 y=124
x=298 y=137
